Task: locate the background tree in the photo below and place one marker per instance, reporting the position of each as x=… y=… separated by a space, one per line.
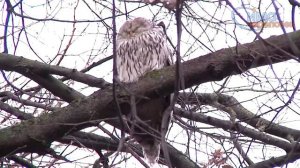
x=237 y=106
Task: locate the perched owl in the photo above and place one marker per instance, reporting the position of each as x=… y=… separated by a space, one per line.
x=142 y=47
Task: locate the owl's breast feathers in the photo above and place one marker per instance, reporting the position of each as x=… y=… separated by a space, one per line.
x=142 y=53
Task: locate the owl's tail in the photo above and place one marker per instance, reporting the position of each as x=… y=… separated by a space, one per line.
x=151 y=152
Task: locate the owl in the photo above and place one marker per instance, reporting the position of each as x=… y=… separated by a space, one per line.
x=142 y=47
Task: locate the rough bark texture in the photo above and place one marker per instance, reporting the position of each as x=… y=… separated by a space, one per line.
x=82 y=112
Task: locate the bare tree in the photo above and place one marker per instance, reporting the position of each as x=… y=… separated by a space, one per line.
x=236 y=84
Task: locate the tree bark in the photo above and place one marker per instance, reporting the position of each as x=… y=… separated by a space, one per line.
x=86 y=111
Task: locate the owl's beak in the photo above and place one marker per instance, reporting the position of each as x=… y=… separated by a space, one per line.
x=131 y=34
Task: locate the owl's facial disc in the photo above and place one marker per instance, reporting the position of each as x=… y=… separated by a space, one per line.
x=135 y=27
x=138 y=26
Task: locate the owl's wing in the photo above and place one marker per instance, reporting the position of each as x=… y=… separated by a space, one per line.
x=170 y=60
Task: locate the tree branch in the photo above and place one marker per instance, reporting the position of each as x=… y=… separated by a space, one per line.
x=230 y=103
x=277 y=161
x=84 y=112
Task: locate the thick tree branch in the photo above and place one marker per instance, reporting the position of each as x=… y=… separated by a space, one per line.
x=228 y=125
x=55 y=86
x=84 y=112
x=230 y=104
x=9 y=95
x=21 y=161
x=14 y=111
x=277 y=161
x=97 y=143
x=22 y=65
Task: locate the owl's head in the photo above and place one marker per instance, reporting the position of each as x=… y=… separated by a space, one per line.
x=135 y=27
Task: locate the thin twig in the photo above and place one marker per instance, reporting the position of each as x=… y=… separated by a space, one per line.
x=115 y=75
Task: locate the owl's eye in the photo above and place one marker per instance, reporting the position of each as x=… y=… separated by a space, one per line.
x=135 y=28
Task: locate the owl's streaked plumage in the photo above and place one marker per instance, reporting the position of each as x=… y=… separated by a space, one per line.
x=142 y=47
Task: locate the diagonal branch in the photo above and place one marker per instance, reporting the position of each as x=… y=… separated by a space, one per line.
x=228 y=125
x=84 y=112
x=23 y=65
x=230 y=105
x=277 y=161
